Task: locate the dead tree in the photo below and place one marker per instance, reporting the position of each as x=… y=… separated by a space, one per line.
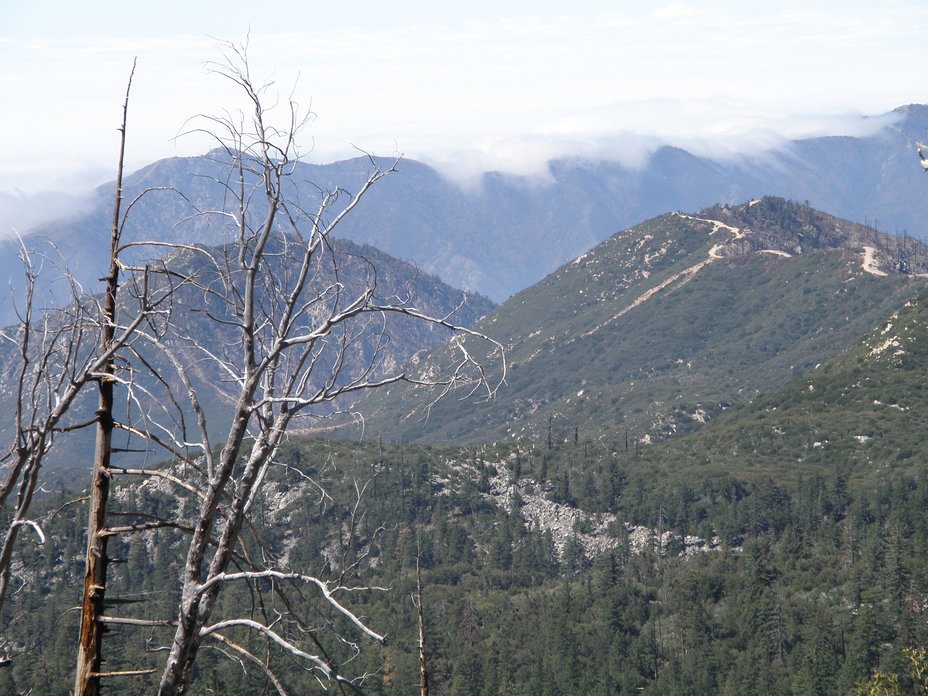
x=57 y=356
x=420 y=614
x=89 y=649
x=298 y=332
x=59 y=353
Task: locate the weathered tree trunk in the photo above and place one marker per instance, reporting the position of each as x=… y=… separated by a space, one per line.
x=89 y=650
x=423 y=663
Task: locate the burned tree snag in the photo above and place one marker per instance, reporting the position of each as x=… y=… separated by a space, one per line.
x=89 y=652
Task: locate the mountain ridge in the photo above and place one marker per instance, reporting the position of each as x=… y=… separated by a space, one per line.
x=356 y=269
x=670 y=322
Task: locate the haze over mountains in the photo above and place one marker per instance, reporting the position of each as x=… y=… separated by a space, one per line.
x=509 y=232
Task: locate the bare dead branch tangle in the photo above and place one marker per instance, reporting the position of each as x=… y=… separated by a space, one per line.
x=298 y=330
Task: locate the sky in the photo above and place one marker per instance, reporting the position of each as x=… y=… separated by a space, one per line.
x=467 y=87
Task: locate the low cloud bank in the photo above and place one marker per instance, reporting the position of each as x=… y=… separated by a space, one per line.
x=734 y=138
x=624 y=133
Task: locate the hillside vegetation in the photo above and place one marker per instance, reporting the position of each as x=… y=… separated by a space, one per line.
x=809 y=586
x=863 y=412
x=666 y=324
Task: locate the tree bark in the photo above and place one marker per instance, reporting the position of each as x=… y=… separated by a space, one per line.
x=89 y=650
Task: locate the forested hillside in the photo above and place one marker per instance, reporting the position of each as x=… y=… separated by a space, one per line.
x=809 y=586
x=778 y=547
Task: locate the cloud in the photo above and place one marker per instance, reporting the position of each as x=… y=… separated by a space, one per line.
x=530 y=156
x=675 y=10
x=720 y=134
x=504 y=91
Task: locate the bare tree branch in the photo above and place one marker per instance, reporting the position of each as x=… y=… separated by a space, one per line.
x=273 y=678
x=215 y=356
x=323 y=587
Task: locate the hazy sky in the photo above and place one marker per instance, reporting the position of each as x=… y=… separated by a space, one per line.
x=484 y=84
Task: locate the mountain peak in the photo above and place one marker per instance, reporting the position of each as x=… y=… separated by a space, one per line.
x=913 y=111
x=777 y=225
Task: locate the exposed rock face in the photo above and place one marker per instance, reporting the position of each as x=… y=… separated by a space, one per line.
x=597 y=532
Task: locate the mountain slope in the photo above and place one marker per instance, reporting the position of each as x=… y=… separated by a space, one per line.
x=668 y=323
x=822 y=582
x=863 y=412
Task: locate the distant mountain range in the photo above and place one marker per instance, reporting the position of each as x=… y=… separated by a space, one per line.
x=510 y=231
x=667 y=324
